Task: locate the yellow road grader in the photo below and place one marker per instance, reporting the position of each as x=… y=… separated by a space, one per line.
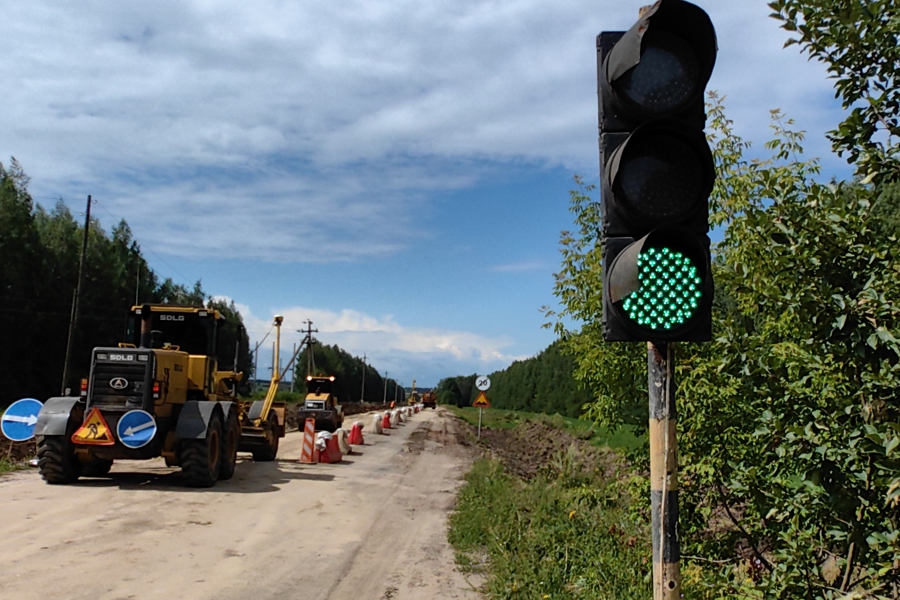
x=160 y=393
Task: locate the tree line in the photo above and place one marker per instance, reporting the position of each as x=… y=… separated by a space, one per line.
x=544 y=383
x=40 y=252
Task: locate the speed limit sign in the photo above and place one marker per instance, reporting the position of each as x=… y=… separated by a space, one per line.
x=483 y=382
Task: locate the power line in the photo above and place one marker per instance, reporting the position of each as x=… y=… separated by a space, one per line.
x=144 y=247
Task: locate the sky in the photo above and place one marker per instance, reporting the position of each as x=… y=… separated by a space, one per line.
x=396 y=172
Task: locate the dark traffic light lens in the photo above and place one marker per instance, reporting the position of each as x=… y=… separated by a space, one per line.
x=661 y=177
x=670 y=291
x=666 y=80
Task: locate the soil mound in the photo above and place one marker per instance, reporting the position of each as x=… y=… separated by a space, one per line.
x=535 y=447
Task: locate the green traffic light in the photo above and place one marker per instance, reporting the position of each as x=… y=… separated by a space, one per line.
x=670 y=290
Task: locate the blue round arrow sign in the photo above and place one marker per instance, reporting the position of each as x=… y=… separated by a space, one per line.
x=136 y=428
x=17 y=423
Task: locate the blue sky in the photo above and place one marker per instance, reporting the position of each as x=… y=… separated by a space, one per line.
x=395 y=171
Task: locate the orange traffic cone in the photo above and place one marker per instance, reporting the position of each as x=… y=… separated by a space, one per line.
x=309 y=454
x=386 y=421
x=356 y=436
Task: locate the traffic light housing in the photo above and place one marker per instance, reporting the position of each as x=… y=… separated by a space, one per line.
x=656 y=172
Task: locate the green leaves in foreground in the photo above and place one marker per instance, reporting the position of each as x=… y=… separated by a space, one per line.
x=563 y=536
x=789 y=421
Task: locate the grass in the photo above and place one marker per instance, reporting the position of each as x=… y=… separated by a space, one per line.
x=8 y=467
x=564 y=534
x=494 y=418
x=567 y=535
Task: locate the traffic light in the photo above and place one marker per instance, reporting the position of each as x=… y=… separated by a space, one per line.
x=656 y=173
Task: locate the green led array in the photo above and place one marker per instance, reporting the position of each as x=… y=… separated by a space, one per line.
x=670 y=292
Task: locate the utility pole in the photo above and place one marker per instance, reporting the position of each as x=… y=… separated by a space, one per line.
x=310 y=350
x=73 y=318
x=293 y=377
x=384 y=400
x=362 y=394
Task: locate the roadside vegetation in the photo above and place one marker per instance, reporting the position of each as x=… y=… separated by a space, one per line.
x=551 y=513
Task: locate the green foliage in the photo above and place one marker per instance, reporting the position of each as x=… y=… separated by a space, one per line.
x=564 y=535
x=788 y=419
x=615 y=374
x=859 y=41
x=543 y=383
x=457 y=391
x=7 y=466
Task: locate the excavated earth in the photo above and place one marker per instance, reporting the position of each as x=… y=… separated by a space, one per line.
x=535 y=447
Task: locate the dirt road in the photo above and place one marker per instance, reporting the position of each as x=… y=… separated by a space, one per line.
x=370 y=528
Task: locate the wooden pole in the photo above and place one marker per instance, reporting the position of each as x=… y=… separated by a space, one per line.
x=664 y=472
x=73 y=317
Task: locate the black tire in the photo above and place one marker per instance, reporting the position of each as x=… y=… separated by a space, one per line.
x=98 y=467
x=56 y=460
x=230 y=440
x=201 y=459
x=268 y=452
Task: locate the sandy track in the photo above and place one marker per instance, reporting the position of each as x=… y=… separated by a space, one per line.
x=371 y=527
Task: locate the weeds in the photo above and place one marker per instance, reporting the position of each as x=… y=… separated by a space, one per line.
x=564 y=534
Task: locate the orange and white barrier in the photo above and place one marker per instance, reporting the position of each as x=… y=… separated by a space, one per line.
x=401 y=414
x=356 y=436
x=329 y=450
x=309 y=454
x=395 y=418
x=386 y=421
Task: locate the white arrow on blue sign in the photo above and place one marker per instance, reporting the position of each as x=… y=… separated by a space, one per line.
x=17 y=423
x=136 y=428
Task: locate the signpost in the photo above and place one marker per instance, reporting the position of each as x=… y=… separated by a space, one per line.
x=483 y=384
x=19 y=419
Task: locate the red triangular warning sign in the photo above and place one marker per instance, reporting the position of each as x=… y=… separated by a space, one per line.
x=95 y=431
x=481 y=401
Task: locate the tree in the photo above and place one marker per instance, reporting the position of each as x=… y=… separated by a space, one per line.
x=859 y=41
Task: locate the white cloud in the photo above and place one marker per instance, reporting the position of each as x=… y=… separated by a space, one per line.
x=272 y=119
x=521 y=267
x=404 y=352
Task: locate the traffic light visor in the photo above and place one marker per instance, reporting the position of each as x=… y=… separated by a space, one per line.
x=661 y=65
x=662 y=173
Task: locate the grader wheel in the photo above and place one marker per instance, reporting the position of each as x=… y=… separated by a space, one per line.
x=230 y=439
x=56 y=460
x=267 y=453
x=201 y=459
